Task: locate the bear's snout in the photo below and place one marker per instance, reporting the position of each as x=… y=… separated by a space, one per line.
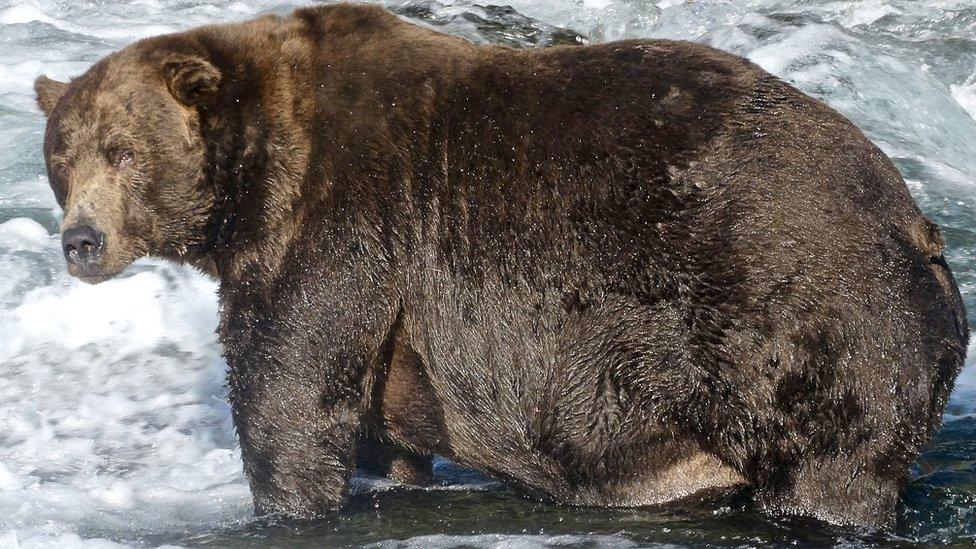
x=82 y=246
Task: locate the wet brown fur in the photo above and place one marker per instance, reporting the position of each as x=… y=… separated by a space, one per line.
x=612 y=275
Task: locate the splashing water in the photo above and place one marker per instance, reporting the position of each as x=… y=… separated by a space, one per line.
x=114 y=430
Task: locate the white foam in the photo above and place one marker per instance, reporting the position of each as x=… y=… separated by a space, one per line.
x=114 y=411
x=113 y=419
x=963 y=401
x=11 y=540
x=965 y=95
x=23 y=234
x=23 y=13
x=852 y=14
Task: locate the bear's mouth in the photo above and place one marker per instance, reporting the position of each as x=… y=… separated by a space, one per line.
x=91 y=275
x=96 y=279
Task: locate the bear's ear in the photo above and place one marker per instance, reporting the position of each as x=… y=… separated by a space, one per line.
x=48 y=93
x=192 y=80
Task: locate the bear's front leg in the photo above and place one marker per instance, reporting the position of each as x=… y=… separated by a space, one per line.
x=296 y=389
x=297 y=441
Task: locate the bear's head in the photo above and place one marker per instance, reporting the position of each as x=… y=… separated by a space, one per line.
x=126 y=159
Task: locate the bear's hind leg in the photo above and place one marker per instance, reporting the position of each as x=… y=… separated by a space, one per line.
x=414 y=469
x=835 y=489
x=380 y=458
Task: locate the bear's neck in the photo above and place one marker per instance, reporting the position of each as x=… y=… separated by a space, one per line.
x=256 y=165
x=331 y=129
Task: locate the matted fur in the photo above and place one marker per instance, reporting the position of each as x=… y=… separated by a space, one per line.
x=612 y=275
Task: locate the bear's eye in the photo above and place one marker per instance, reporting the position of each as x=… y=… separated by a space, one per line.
x=122 y=157
x=61 y=170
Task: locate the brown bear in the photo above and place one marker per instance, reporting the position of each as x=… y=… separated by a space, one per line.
x=612 y=275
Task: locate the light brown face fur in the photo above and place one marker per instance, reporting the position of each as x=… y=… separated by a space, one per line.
x=125 y=157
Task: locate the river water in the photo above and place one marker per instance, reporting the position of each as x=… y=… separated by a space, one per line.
x=113 y=426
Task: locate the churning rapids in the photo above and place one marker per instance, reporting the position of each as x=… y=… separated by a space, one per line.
x=113 y=426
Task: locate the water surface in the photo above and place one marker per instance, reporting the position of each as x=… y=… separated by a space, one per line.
x=113 y=424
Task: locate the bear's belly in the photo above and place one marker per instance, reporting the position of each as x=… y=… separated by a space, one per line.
x=690 y=475
x=414 y=419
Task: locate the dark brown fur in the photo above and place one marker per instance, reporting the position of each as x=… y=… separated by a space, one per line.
x=613 y=275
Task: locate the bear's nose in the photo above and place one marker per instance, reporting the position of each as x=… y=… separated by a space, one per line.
x=81 y=243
